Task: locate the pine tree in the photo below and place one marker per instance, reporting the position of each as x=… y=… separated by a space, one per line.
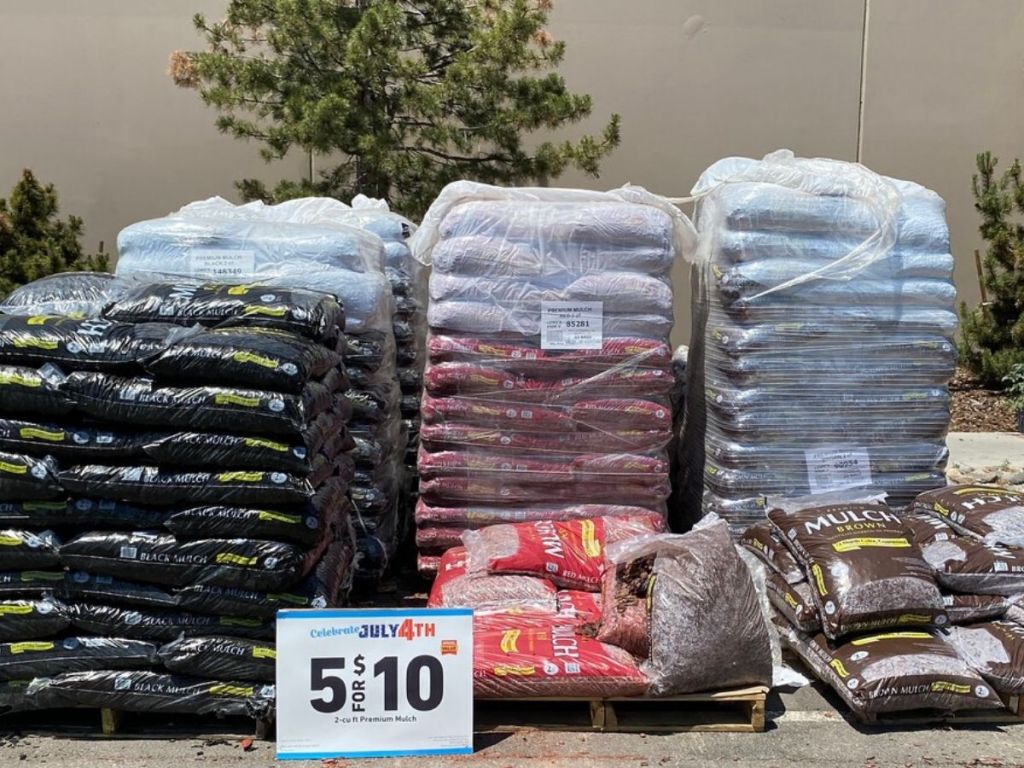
x=993 y=333
x=395 y=97
x=34 y=242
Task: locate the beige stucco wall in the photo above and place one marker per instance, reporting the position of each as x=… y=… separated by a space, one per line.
x=85 y=101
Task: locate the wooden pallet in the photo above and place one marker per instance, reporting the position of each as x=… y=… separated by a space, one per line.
x=733 y=711
x=1012 y=714
x=114 y=723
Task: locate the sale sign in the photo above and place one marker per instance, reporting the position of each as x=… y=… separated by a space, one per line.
x=374 y=683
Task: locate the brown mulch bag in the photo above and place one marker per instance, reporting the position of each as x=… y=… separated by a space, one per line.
x=795 y=602
x=894 y=672
x=865 y=572
x=986 y=512
x=625 y=595
x=970 y=566
x=707 y=626
x=762 y=540
x=995 y=650
x=967 y=609
x=924 y=529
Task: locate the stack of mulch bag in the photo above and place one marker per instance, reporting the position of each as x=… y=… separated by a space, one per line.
x=901 y=614
x=822 y=339
x=522 y=422
x=173 y=470
x=607 y=606
x=304 y=244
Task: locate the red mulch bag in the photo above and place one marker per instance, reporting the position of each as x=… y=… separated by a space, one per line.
x=570 y=553
x=613 y=413
x=511 y=490
x=453 y=588
x=625 y=596
x=438 y=538
x=521 y=657
x=636 y=352
x=579 y=607
x=496 y=413
x=482 y=516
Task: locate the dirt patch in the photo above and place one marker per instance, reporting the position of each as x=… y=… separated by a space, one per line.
x=976 y=409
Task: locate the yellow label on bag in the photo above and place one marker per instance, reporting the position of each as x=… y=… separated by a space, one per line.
x=229 y=558
x=249 y=357
x=840 y=670
x=228 y=398
x=241 y=290
x=52 y=435
x=30 y=342
x=588 y=534
x=239 y=477
x=231 y=690
x=16 y=610
x=514 y=670
x=510 y=641
x=29 y=647
x=228 y=621
x=13 y=469
x=11 y=541
x=819 y=579
x=21 y=381
x=266 y=311
x=259 y=442
x=41 y=576
x=943 y=686
x=284 y=597
x=891 y=636
x=279 y=517
x=866 y=542
x=261 y=652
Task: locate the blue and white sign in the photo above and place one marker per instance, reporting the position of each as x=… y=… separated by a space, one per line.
x=374 y=683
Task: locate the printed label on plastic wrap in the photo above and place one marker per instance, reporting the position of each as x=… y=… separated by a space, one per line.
x=836 y=468
x=221 y=263
x=571 y=324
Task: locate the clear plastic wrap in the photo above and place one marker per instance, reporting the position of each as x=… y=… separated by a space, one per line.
x=221 y=658
x=547 y=379
x=72 y=294
x=823 y=336
x=44 y=658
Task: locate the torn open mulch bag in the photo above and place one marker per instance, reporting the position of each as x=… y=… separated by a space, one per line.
x=45 y=658
x=221 y=658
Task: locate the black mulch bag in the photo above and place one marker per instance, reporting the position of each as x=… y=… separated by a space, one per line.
x=32 y=619
x=368 y=453
x=80 y=345
x=141 y=401
x=221 y=658
x=28 y=478
x=320 y=589
x=367 y=350
x=29 y=583
x=139 y=691
x=371 y=500
x=14 y=696
x=154 y=485
x=368 y=407
x=410 y=405
x=75 y=294
x=162 y=559
x=33 y=391
x=161 y=625
x=80 y=442
x=28 y=549
x=410 y=380
x=308 y=313
x=81 y=586
x=300 y=525
x=79 y=514
x=408 y=355
x=45 y=658
x=259 y=358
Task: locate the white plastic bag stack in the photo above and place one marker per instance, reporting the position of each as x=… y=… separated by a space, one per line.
x=823 y=335
x=547 y=381
x=297 y=245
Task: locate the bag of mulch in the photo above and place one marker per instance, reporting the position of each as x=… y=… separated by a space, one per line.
x=72 y=294
x=972 y=567
x=967 y=609
x=625 y=599
x=995 y=650
x=139 y=691
x=454 y=588
x=529 y=657
x=794 y=601
x=894 y=672
x=762 y=540
x=45 y=658
x=161 y=625
x=320 y=589
x=205 y=449
x=991 y=513
x=707 y=628
x=96 y=587
x=569 y=553
x=28 y=478
x=33 y=391
x=865 y=572
x=141 y=401
x=80 y=442
x=300 y=525
x=163 y=559
x=29 y=583
x=367 y=350
x=221 y=658
x=581 y=608
x=141 y=484
x=14 y=697
x=308 y=313
x=82 y=513
x=924 y=529
x=259 y=358
x=28 y=549
x=31 y=619
x=93 y=344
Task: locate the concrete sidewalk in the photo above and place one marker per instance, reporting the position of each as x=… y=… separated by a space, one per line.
x=978 y=456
